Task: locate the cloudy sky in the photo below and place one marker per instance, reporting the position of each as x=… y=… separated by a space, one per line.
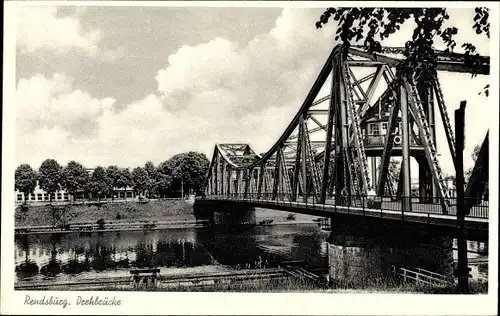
x=123 y=85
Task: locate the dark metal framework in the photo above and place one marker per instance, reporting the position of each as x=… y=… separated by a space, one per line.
x=325 y=151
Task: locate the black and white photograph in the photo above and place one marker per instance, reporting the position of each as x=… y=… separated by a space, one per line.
x=154 y=149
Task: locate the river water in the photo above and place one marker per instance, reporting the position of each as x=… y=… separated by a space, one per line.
x=348 y=254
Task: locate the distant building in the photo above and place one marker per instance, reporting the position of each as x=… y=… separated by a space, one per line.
x=450 y=182
x=41 y=196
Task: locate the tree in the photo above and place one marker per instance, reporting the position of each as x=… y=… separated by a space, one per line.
x=474 y=155
x=475 y=152
x=25 y=180
x=139 y=180
x=189 y=169
x=112 y=175
x=50 y=177
x=163 y=178
x=98 y=184
x=372 y=24
x=74 y=178
x=151 y=185
x=468 y=172
x=394 y=170
x=124 y=179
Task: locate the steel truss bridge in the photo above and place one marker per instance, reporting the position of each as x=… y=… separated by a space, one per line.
x=335 y=155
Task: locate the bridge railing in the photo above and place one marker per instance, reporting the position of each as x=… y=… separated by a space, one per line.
x=428 y=205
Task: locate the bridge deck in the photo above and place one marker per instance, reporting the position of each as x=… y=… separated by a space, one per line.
x=388 y=210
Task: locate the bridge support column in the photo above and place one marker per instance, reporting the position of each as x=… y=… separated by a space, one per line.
x=235 y=215
x=362 y=253
x=204 y=211
x=225 y=214
x=427 y=190
x=405 y=164
x=373 y=161
x=341 y=131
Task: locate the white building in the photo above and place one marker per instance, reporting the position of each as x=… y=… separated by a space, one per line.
x=40 y=196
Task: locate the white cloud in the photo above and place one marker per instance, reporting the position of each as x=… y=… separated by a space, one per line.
x=40 y=28
x=50 y=102
x=271 y=70
x=45 y=142
x=217 y=91
x=478 y=114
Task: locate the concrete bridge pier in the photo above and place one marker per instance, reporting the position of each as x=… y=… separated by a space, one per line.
x=226 y=214
x=235 y=215
x=362 y=253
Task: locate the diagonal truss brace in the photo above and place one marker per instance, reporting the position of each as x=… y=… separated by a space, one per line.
x=389 y=143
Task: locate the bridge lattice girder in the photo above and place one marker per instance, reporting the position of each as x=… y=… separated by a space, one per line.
x=322 y=151
x=228 y=168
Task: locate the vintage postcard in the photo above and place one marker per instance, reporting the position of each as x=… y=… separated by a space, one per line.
x=250 y=158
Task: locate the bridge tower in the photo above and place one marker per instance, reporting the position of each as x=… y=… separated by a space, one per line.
x=337 y=149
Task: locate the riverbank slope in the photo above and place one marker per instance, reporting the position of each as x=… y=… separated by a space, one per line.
x=129 y=211
x=133 y=212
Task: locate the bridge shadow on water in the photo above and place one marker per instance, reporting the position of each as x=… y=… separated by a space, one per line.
x=264 y=246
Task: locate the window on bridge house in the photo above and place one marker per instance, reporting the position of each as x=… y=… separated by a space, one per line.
x=384 y=128
x=374 y=129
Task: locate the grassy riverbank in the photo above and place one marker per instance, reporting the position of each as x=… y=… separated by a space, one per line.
x=130 y=211
x=294 y=285
x=269 y=280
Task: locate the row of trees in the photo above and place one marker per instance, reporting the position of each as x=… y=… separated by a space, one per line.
x=165 y=180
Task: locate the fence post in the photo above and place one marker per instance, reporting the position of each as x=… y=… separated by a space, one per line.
x=462 y=269
x=363 y=204
x=403 y=209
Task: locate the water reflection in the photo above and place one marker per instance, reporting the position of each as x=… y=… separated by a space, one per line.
x=349 y=254
x=75 y=267
x=75 y=254
x=28 y=268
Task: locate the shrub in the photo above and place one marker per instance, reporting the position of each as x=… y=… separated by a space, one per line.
x=101 y=222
